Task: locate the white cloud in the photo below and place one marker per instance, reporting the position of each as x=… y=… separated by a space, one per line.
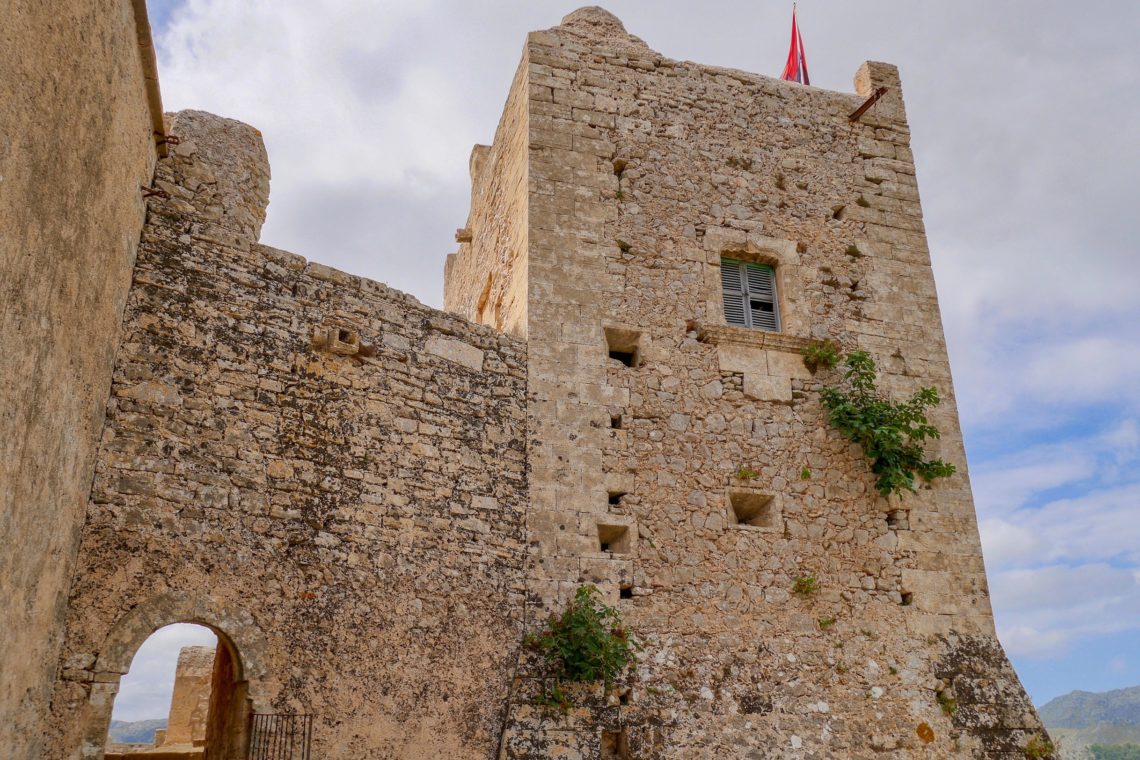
x=1045 y=611
x=1065 y=567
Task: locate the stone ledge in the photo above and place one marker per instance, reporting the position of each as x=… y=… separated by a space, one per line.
x=745 y=336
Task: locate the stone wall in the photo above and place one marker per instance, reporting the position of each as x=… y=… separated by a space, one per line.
x=323 y=470
x=190 y=699
x=75 y=145
x=644 y=172
x=486 y=280
x=370 y=501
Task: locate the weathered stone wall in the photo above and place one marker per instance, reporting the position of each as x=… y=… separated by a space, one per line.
x=369 y=500
x=486 y=280
x=643 y=173
x=75 y=144
x=190 y=699
x=347 y=513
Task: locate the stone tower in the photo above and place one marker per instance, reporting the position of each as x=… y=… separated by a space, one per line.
x=620 y=187
x=371 y=502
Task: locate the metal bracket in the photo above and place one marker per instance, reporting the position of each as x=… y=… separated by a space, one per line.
x=858 y=112
x=154 y=192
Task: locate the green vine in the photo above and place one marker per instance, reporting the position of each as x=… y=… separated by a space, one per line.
x=587 y=643
x=892 y=433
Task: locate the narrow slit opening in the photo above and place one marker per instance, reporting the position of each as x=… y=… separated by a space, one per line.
x=615 y=745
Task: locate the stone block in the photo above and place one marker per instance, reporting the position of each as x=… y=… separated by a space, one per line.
x=768 y=387
x=455 y=351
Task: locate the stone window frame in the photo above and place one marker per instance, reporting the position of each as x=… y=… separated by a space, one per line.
x=745 y=296
x=727 y=243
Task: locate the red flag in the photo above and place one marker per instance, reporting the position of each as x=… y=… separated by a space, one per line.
x=795 y=70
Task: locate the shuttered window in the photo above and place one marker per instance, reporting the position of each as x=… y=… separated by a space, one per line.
x=749 y=294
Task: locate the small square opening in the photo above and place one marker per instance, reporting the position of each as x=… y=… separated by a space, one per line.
x=625 y=592
x=754 y=509
x=898 y=519
x=615 y=745
x=614 y=498
x=624 y=345
x=615 y=421
x=614 y=538
x=907 y=598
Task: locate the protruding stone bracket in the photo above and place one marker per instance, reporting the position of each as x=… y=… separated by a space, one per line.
x=336 y=339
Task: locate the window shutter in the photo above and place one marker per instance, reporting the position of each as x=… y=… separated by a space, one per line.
x=732 y=287
x=761 y=296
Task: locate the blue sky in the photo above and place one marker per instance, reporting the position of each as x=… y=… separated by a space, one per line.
x=1024 y=119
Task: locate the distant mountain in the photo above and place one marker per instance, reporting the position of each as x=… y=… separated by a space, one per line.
x=1080 y=719
x=134 y=732
x=1084 y=709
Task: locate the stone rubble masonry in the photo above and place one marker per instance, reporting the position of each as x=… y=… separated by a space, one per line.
x=371 y=501
x=353 y=525
x=190 y=699
x=642 y=173
x=75 y=144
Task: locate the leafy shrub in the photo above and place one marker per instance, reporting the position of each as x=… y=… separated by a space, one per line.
x=1115 y=751
x=892 y=433
x=1039 y=747
x=805 y=585
x=587 y=643
x=744 y=472
x=821 y=354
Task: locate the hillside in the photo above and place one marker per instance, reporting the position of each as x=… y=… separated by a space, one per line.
x=134 y=732
x=1084 y=709
x=1080 y=719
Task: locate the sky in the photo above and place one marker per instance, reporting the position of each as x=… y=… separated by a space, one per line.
x=144 y=692
x=1024 y=118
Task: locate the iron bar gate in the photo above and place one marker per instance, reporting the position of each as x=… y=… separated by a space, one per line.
x=280 y=736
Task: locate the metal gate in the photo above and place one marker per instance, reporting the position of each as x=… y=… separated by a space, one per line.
x=280 y=736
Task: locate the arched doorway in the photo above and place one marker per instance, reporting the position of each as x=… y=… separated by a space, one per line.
x=193 y=675
x=163 y=699
x=234 y=673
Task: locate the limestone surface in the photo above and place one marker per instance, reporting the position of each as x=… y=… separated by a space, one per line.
x=371 y=502
x=75 y=146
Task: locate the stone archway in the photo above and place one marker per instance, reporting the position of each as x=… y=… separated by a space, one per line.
x=238 y=672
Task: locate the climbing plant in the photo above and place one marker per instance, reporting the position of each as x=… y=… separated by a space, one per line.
x=587 y=643
x=892 y=433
